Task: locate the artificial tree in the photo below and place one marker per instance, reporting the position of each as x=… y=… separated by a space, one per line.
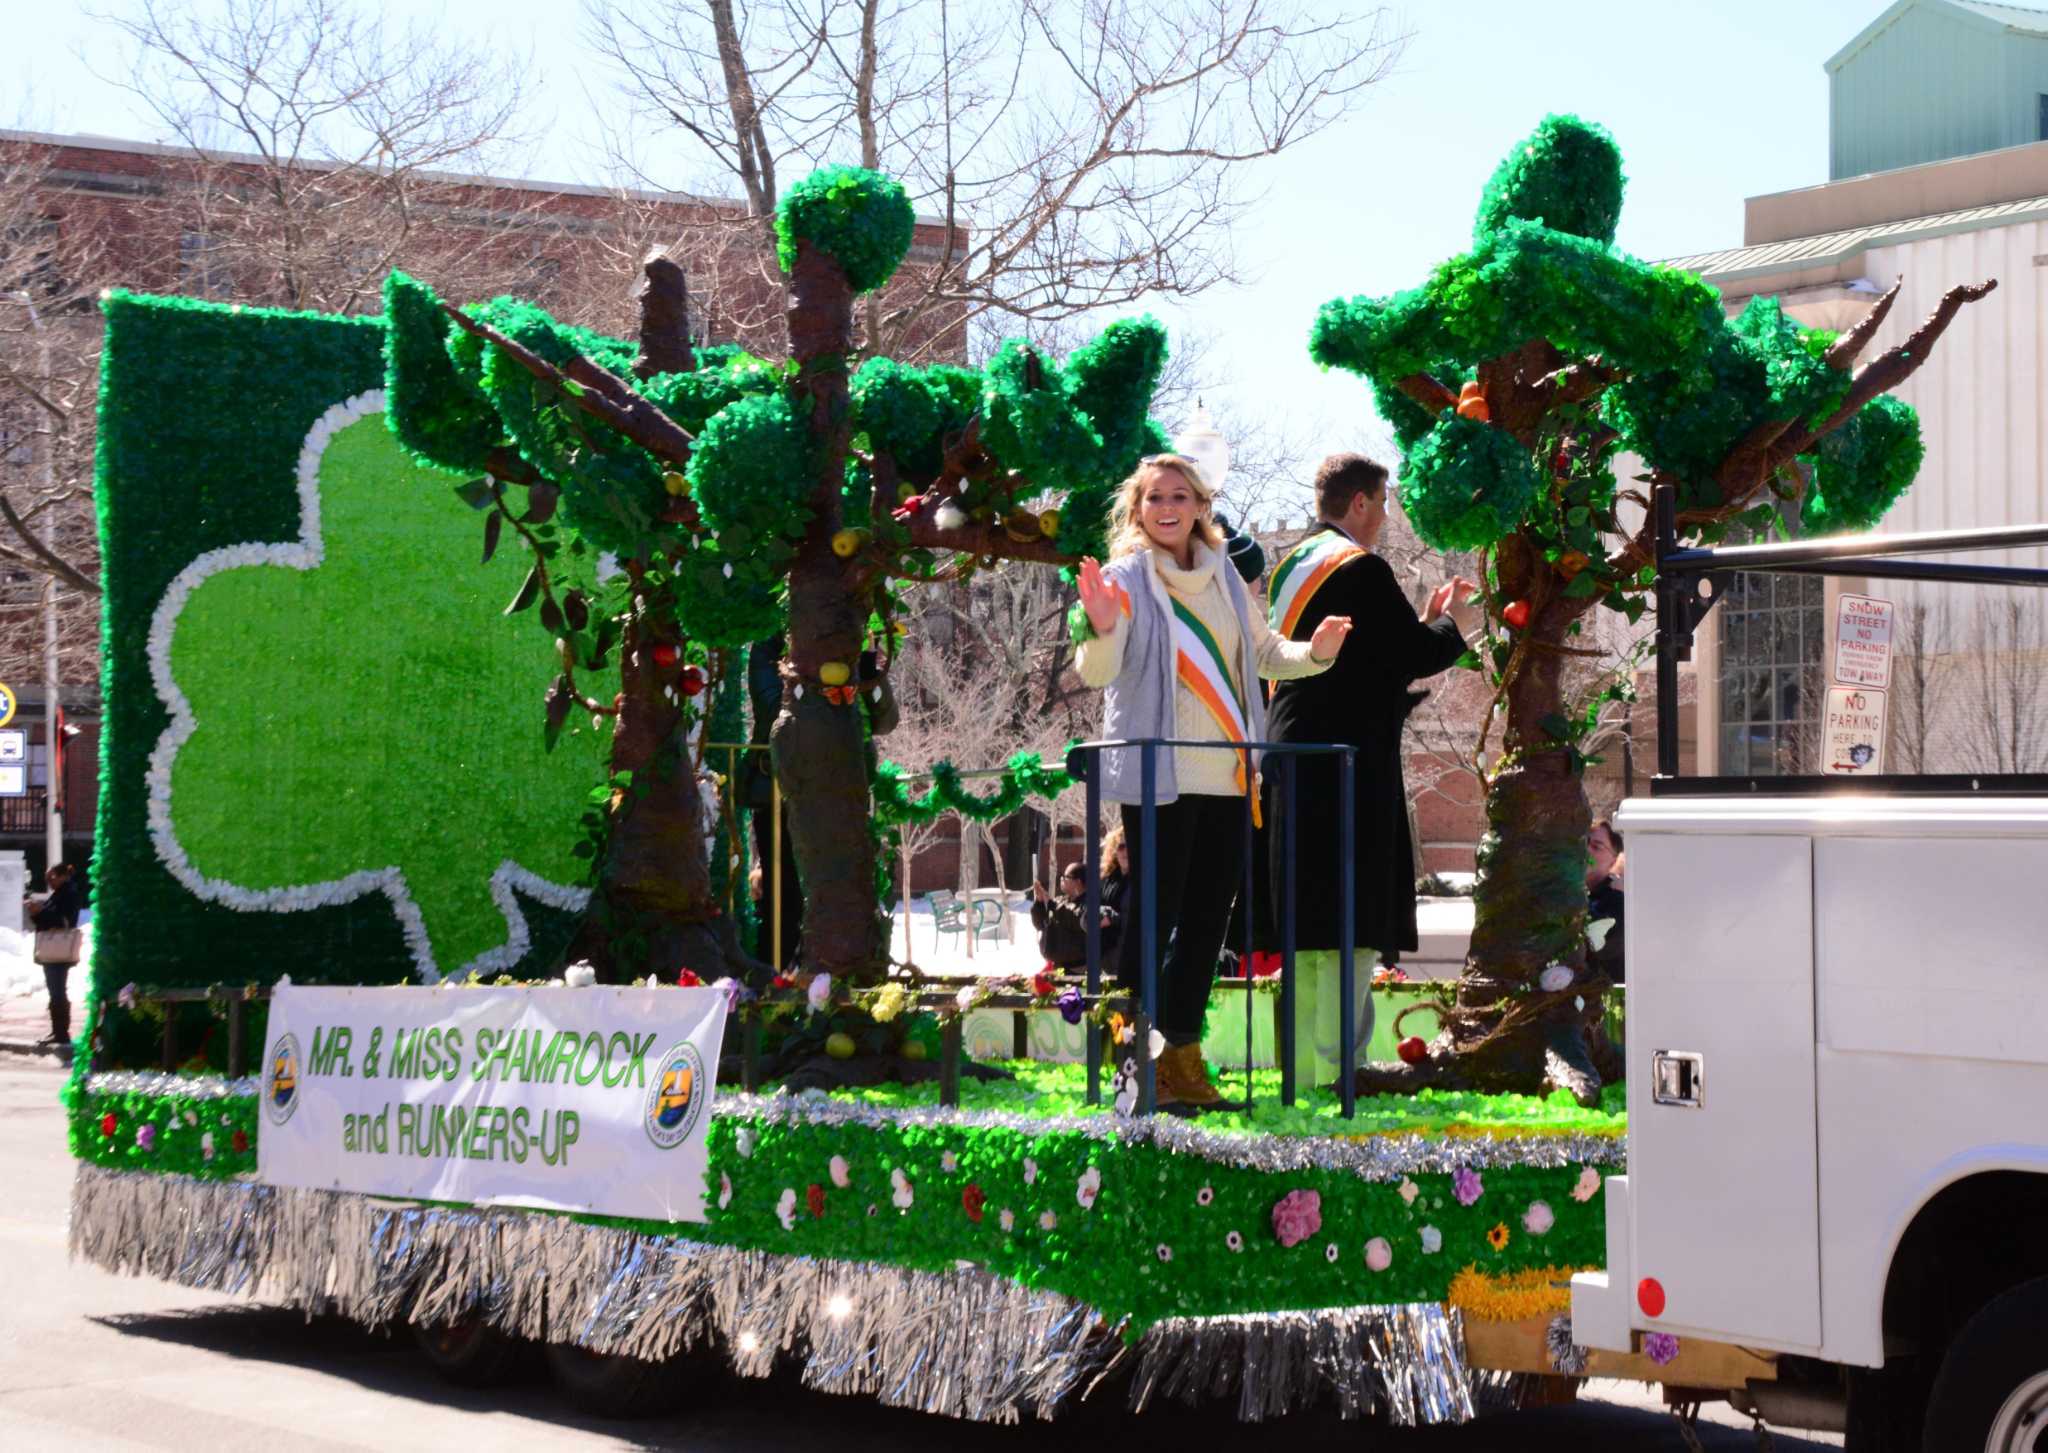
x=1513 y=379
x=745 y=498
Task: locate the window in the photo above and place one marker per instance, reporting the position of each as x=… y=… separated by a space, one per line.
x=2041 y=116
x=1772 y=629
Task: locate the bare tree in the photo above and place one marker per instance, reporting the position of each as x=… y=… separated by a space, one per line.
x=1081 y=154
x=1920 y=682
x=2005 y=726
x=323 y=143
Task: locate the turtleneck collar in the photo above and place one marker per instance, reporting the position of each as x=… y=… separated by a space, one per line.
x=1187 y=582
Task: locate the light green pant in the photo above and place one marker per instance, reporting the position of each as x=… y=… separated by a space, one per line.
x=1318 y=1017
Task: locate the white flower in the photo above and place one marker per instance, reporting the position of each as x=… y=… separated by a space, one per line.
x=950 y=516
x=1030 y=1171
x=1539 y=1218
x=842 y=1177
x=965 y=998
x=1556 y=978
x=903 y=1192
x=724 y=1191
x=819 y=994
x=949 y=1161
x=1235 y=1241
x=206 y=1145
x=1378 y=1254
x=1409 y=1191
x=1089 y=1187
x=1204 y=1196
x=191 y=1118
x=1432 y=1240
x=1007 y=1219
x=1330 y=1253
x=579 y=976
x=785 y=1209
x=1048 y=1221
x=743 y=1142
x=1164 y=1252
x=1588 y=1185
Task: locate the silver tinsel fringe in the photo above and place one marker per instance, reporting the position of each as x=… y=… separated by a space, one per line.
x=1565 y=1354
x=962 y=1343
x=1374 y=1157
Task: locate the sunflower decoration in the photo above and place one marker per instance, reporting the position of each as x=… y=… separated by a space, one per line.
x=1498 y=1236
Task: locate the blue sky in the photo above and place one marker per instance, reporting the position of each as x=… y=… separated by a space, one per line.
x=1711 y=103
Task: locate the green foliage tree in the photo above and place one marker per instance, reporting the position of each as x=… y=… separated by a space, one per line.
x=746 y=498
x=1513 y=378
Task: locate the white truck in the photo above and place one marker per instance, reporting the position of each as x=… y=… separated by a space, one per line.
x=1838 y=1093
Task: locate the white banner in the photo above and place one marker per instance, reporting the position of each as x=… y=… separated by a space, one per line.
x=593 y=1099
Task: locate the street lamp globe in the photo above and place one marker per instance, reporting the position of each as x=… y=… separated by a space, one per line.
x=1204 y=443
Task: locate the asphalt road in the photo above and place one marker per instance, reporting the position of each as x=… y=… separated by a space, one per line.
x=90 y=1361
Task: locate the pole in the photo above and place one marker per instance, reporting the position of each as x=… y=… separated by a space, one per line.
x=53 y=748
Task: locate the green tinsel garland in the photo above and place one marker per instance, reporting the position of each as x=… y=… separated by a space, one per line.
x=1025 y=775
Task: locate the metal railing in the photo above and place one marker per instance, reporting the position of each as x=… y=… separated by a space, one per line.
x=1681 y=571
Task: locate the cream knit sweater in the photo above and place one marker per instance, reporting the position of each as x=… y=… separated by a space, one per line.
x=1210 y=773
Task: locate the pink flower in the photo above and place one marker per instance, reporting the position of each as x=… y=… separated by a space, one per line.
x=1588 y=1185
x=1538 y=1218
x=1378 y=1254
x=1297 y=1216
x=1467 y=1186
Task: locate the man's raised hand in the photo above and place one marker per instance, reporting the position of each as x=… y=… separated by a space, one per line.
x=1329 y=636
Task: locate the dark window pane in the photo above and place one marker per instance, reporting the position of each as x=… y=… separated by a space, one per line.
x=1734 y=752
x=1789 y=693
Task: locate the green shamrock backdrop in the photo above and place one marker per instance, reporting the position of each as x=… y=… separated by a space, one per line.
x=321 y=754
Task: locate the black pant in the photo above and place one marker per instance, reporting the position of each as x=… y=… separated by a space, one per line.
x=1200 y=873
x=60 y=1002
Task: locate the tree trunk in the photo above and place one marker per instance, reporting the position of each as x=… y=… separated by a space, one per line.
x=819 y=748
x=1529 y=907
x=654 y=911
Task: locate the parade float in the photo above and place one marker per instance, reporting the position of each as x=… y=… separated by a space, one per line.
x=362 y=850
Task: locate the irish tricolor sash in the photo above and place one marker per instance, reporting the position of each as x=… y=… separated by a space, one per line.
x=1204 y=671
x=1298 y=577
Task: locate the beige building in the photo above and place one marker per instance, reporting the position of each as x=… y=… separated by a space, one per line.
x=1966 y=692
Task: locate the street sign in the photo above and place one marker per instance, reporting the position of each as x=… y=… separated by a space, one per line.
x=8 y=703
x=13 y=781
x=13 y=745
x=1863 y=641
x=1852 y=732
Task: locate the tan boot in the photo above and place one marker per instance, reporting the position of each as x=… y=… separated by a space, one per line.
x=1182 y=1068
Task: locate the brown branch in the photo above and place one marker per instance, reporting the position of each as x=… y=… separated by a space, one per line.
x=1426 y=391
x=58 y=566
x=595 y=390
x=1894 y=367
x=989 y=539
x=1850 y=344
x=1576 y=383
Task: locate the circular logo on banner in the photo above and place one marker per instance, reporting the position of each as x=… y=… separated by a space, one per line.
x=8 y=703
x=281 y=1080
x=676 y=1103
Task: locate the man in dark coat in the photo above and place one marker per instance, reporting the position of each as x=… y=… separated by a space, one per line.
x=1362 y=701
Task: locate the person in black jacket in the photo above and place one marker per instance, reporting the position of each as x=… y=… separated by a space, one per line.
x=1604 y=897
x=1062 y=918
x=59 y=909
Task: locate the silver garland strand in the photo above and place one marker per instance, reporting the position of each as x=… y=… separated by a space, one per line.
x=963 y=1344
x=1371 y=1157
x=1566 y=1356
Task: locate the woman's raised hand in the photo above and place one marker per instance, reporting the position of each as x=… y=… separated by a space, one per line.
x=1329 y=637
x=1097 y=598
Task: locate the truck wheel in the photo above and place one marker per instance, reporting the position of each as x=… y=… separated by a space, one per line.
x=608 y=1386
x=1992 y=1390
x=1887 y=1406
x=470 y=1353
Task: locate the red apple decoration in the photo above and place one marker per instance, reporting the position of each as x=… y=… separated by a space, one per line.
x=666 y=655
x=692 y=680
x=1516 y=615
x=1412 y=1050
x=1042 y=984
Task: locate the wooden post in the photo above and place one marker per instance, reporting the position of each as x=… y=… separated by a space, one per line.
x=950 y=1049
x=237 y=1029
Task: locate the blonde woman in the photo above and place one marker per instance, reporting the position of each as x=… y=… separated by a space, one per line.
x=1175 y=644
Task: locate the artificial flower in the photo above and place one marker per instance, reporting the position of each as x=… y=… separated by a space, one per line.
x=127 y=997
x=1234 y=1240
x=1007 y=1219
x=108 y=1125
x=1498 y=1236
x=1030 y=1171
x=1330 y=1253
x=819 y=993
x=1090 y=1185
x=903 y=1193
x=1043 y=983
x=145 y=1137
x=814 y=1199
x=580 y=976
x=1379 y=1254
x=724 y=1191
x=1163 y=1252
x=1539 y=1218
x=1204 y=1196
x=1409 y=1191
x=949 y=1162
x=785 y=1209
x=1072 y=1009
x=1297 y=1216
x=1466 y=1185
x=1432 y=1240
x=965 y=998
x=743 y=1142
x=1660 y=1347
x=972 y=1200
x=688 y=979
x=1048 y=1221
x=206 y=1145
x=239 y=1141
x=1556 y=979
x=888 y=1003
x=841 y=1173
x=1588 y=1185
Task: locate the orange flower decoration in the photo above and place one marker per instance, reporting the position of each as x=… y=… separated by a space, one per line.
x=1498 y=1236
